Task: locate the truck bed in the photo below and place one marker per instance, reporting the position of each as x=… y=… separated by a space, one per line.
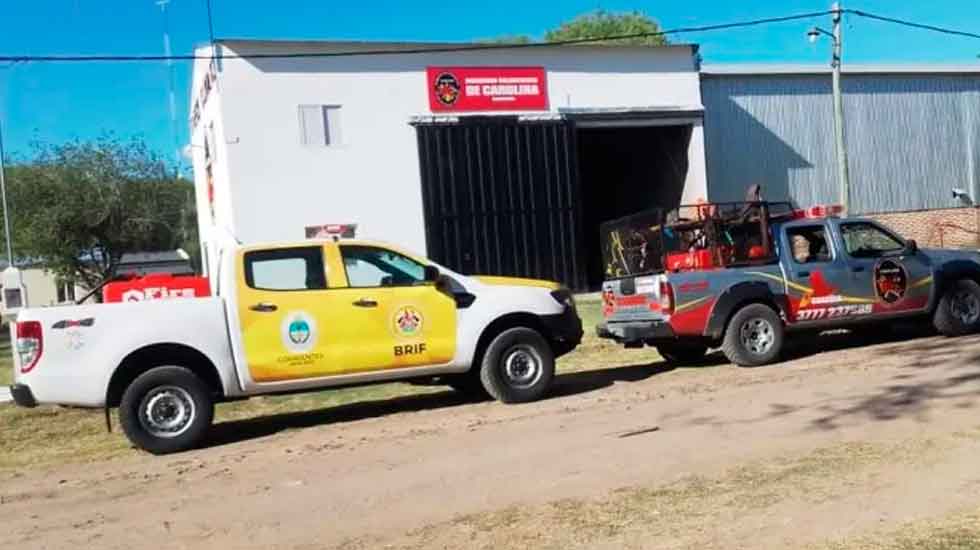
x=83 y=344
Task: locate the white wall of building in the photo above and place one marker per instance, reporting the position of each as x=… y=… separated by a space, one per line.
x=270 y=187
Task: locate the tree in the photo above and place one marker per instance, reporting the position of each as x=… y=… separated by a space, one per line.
x=78 y=207
x=602 y=23
x=508 y=39
x=598 y=24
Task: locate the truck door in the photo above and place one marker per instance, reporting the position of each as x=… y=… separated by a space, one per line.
x=282 y=303
x=304 y=313
x=402 y=320
x=820 y=282
x=894 y=282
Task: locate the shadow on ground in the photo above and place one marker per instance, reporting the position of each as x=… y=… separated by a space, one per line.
x=565 y=385
x=907 y=395
x=932 y=371
x=929 y=371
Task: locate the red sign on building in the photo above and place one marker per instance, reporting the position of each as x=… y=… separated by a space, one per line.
x=459 y=89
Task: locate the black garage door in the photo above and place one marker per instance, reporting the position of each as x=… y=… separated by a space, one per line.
x=500 y=198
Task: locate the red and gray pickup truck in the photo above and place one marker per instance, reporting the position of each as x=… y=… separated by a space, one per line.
x=744 y=276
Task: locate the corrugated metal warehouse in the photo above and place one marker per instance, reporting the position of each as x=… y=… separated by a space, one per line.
x=912 y=134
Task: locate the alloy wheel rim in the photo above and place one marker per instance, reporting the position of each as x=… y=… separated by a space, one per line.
x=757 y=335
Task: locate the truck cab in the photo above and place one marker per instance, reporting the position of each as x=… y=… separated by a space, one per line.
x=744 y=276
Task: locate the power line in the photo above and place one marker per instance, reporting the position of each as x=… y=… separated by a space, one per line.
x=445 y=49
x=913 y=24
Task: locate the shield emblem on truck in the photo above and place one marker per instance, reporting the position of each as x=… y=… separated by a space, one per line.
x=891 y=281
x=298 y=332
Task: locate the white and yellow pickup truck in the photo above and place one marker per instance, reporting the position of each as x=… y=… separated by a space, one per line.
x=287 y=318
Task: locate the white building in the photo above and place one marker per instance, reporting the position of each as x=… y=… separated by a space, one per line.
x=509 y=172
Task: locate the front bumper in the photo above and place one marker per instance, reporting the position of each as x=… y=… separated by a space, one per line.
x=632 y=332
x=565 y=330
x=22 y=395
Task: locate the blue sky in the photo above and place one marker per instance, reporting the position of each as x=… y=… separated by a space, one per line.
x=58 y=102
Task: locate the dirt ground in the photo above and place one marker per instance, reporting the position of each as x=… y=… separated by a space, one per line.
x=839 y=447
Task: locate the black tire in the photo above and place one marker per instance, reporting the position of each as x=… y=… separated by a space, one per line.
x=682 y=354
x=518 y=366
x=173 y=388
x=951 y=317
x=761 y=324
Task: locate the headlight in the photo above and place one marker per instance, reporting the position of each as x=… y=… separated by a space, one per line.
x=564 y=297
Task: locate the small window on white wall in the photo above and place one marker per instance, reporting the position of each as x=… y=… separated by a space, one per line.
x=319 y=125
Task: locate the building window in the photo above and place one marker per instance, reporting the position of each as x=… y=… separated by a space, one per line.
x=319 y=125
x=66 y=292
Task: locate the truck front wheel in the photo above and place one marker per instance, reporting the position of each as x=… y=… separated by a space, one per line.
x=166 y=410
x=518 y=366
x=958 y=311
x=754 y=336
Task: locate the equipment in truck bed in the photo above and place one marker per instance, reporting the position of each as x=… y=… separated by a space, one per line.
x=691 y=237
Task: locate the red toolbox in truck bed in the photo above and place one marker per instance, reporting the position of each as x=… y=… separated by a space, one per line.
x=157 y=286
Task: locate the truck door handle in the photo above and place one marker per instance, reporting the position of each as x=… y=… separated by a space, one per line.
x=364 y=302
x=857 y=268
x=803 y=274
x=263 y=307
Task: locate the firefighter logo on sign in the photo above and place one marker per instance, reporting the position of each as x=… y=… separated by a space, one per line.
x=891 y=281
x=447 y=88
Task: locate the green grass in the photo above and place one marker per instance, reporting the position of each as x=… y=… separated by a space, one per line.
x=6 y=360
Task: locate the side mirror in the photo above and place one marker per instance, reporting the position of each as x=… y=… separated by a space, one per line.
x=911 y=247
x=431 y=274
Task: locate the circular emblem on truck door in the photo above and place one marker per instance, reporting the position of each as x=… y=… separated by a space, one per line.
x=298 y=332
x=407 y=322
x=891 y=281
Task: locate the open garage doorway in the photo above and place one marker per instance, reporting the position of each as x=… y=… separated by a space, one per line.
x=623 y=170
x=506 y=196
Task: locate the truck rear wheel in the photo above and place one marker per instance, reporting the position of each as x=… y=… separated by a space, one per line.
x=754 y=336
x=681 y=354
x=518 y=366
x=958 y=311
x=166 y=410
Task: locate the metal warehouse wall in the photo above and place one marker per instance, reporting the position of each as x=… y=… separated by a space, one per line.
x=910 y=138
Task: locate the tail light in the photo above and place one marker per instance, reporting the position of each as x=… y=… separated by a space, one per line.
x=666 y=298
x=608 y=303
x=30 y=344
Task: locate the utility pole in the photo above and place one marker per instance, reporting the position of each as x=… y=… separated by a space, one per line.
x=172 y=102
x=842 y=171
x=843 y=175
x=3 y=197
